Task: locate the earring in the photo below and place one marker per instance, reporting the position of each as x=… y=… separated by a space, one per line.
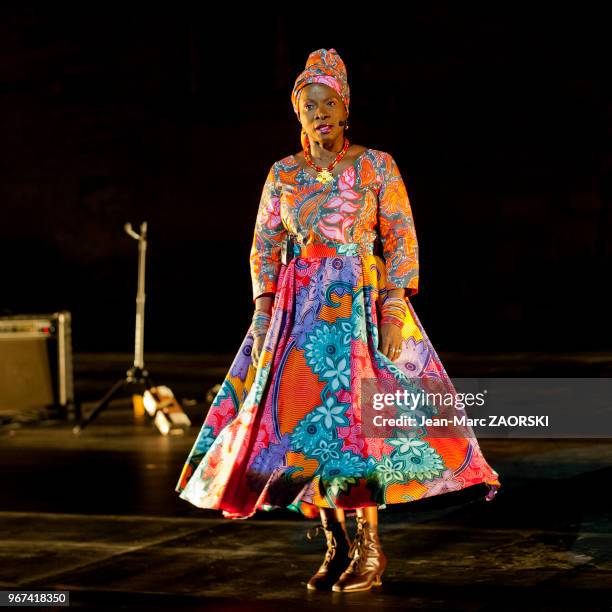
x=346 y=126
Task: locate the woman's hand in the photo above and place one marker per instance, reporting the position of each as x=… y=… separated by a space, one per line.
x=256 y=350
x=390 y=334
x=390 y=340
x=264 y=304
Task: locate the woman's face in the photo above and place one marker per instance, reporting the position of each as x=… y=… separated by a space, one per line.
x=321 y=108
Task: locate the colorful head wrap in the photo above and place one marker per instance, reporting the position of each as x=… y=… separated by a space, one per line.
x=323 y=66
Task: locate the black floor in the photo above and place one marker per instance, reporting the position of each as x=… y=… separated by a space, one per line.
x=97 y=515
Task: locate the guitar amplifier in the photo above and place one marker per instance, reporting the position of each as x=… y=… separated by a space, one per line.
x=36 y=364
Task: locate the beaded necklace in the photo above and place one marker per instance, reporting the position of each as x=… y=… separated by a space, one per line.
x=324 y=174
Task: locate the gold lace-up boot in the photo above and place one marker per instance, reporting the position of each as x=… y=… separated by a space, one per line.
x=336 y=557
x=368 y=561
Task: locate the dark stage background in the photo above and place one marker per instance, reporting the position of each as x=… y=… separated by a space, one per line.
x=499 y=120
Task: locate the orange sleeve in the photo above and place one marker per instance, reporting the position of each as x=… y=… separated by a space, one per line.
x=268 y=237
x=397 y=231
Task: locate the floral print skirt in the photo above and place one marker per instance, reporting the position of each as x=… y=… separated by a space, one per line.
x=294 y=432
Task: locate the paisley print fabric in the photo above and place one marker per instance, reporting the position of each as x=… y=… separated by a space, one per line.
x=345 y=210
x=292 y=432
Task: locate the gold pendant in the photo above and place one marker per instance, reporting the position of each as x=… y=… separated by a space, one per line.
x=325 y=176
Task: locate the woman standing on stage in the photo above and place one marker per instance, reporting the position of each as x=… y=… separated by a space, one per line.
x=291 y=426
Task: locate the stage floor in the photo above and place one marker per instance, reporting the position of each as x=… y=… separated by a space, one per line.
x=97 y=515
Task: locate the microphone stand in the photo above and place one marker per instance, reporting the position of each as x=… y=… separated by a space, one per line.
x=136 y=376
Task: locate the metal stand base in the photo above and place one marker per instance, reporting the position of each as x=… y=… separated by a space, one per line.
x=134 y=377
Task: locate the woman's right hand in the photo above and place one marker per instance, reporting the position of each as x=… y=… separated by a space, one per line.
x=264 y=304
x=256 y=350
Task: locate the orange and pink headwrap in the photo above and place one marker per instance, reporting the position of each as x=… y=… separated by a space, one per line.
x=323 y=66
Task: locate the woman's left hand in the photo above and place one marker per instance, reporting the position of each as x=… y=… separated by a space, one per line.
x=391 y=335
x=390 y=340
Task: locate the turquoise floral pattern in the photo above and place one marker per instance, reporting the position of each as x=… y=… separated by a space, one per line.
x=417 y=459
x=347 y=463
x=390 y=470
x=327 y=450
x=330 y=413
x=406 y=446
x=309 y=433
x=337 y=372
x=327 y=344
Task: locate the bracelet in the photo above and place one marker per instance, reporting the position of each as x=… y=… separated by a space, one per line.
x=394 y=298
x=394 y=310
x=394 y=304
x=394 y=320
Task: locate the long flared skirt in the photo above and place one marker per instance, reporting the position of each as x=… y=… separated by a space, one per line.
x=296 y=433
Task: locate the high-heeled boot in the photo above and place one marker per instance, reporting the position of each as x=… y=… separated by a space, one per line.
x=368 y=561
x=336 y=556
